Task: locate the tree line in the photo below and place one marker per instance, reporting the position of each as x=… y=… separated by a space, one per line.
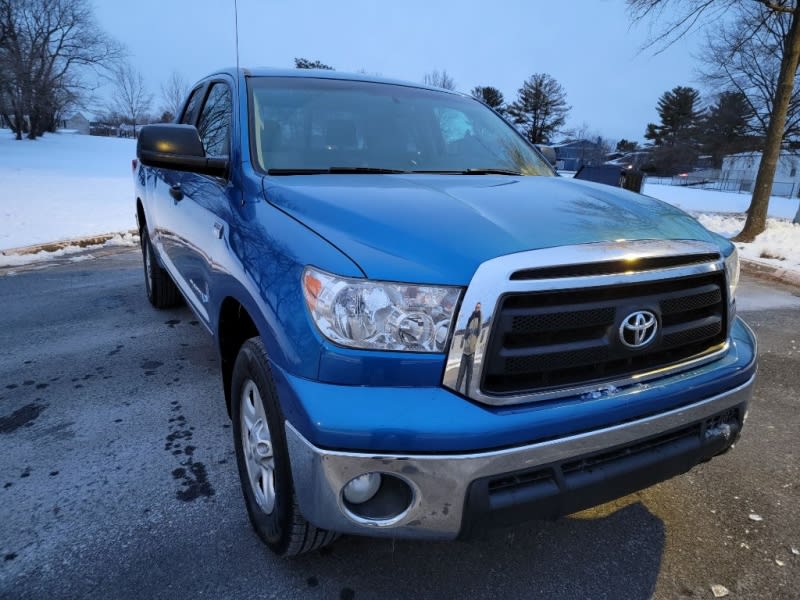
x=52 y=56
x=52 y=53
x=48 y=51
x=753 y=49
x=540 y=109
x=688 y=130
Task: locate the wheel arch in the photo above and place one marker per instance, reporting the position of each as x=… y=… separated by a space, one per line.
x=235 y=326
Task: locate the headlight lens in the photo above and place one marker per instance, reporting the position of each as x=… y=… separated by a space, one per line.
x=377 y=315
x=732 y=273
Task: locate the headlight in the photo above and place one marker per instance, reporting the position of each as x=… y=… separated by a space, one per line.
x=732 y=273
x=377 y=315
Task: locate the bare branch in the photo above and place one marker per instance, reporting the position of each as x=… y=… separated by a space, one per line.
x=776 y=6
x=173 y=94
x=130 y=97
x=439 y=79
x=46 y=49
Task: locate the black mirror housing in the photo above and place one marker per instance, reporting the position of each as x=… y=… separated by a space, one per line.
x=178 y=147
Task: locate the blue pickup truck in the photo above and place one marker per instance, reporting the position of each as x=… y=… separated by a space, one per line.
x=422 y=330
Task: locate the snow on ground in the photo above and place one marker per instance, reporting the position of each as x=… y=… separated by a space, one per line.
x=66 y=186
x=693 y=199
x=723 y=212
x=72 y=252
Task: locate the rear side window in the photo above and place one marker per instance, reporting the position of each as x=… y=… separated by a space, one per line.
x=214 y=124
x=190 y=112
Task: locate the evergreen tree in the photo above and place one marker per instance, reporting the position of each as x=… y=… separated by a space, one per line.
x=540 y=108
x=726 y=127
x=676 y=139
x=305 y=63
x=490 y=96
x=653 y=133
x=626 y=146
x=680 y=114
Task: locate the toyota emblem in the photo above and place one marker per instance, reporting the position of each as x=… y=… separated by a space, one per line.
x=638 y=329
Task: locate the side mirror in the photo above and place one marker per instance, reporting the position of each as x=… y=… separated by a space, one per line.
x=171 y=146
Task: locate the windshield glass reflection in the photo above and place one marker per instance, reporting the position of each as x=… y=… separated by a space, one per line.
x=328 y=125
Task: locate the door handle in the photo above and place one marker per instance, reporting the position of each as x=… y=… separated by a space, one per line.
x=176 y=192
x=218 y=229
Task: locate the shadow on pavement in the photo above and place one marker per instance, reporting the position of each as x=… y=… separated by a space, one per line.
x=615 y=556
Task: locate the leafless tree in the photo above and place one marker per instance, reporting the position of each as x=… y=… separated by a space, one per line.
x=440 y=79
x=305 y=63
x=702 y=13
x=173 y=94
x=129 y=97
x=744 y=55
x=46 y=48
x=595 y=154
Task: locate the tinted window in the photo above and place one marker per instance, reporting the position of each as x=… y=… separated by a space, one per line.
x=316 y=123
x=190 y=112
x=214 y=124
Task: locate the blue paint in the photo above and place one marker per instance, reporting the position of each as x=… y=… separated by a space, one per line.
x=417 y=228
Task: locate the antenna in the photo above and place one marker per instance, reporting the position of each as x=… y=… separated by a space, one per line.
x=238 y=76
x=236 y=27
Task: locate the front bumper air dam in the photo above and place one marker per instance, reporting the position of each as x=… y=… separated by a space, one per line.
x=449 y=492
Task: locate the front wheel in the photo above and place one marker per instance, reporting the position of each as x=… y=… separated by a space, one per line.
x=263 y=458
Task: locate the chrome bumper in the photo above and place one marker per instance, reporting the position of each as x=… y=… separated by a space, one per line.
x=439 y=483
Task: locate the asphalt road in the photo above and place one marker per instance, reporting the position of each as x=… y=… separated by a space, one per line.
x=118 y=480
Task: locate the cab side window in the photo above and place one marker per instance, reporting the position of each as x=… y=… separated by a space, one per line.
x=190 y=112
x=214 y=124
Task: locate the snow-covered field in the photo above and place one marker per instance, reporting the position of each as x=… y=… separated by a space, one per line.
x=64 y=186
x=67 y=186
x=723 y=212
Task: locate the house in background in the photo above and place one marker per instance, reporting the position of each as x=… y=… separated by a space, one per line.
x=77 y=123
x=739 y=171
x=571 y=156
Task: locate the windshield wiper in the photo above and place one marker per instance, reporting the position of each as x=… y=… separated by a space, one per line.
x=382 y=171
x=296 y=171
x=486 y=171
x=336 y=170
x=491 y=171
x=377 y=170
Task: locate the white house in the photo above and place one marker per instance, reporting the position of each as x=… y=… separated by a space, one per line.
x=739 y=173
x=77 y=123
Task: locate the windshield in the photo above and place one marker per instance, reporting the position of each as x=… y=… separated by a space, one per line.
x=317 y=125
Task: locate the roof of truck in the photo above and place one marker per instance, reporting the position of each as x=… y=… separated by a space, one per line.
x=323 y=74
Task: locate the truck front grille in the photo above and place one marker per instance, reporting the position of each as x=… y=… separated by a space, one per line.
x=545 y=340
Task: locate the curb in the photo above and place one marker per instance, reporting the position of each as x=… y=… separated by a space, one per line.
x=84 y=242
x=770 y=273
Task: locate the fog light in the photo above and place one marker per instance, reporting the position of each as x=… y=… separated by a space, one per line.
x=362 y=488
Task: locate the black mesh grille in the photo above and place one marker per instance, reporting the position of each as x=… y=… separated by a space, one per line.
x=566 y=320
x=555 y=339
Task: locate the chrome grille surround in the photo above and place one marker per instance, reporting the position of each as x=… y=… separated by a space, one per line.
x=495 y=278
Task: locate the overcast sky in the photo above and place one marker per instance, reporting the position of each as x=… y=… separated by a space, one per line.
x=589 y=46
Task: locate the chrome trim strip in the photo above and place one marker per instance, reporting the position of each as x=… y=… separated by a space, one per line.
x=440 y=482
x=492 y=279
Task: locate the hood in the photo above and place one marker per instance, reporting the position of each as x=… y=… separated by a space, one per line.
x=438 y=228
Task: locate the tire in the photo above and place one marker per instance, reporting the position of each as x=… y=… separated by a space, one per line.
x=161 y=290
x=263 y=459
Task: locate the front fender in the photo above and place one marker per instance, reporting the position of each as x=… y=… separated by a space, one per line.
x=267 y=252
